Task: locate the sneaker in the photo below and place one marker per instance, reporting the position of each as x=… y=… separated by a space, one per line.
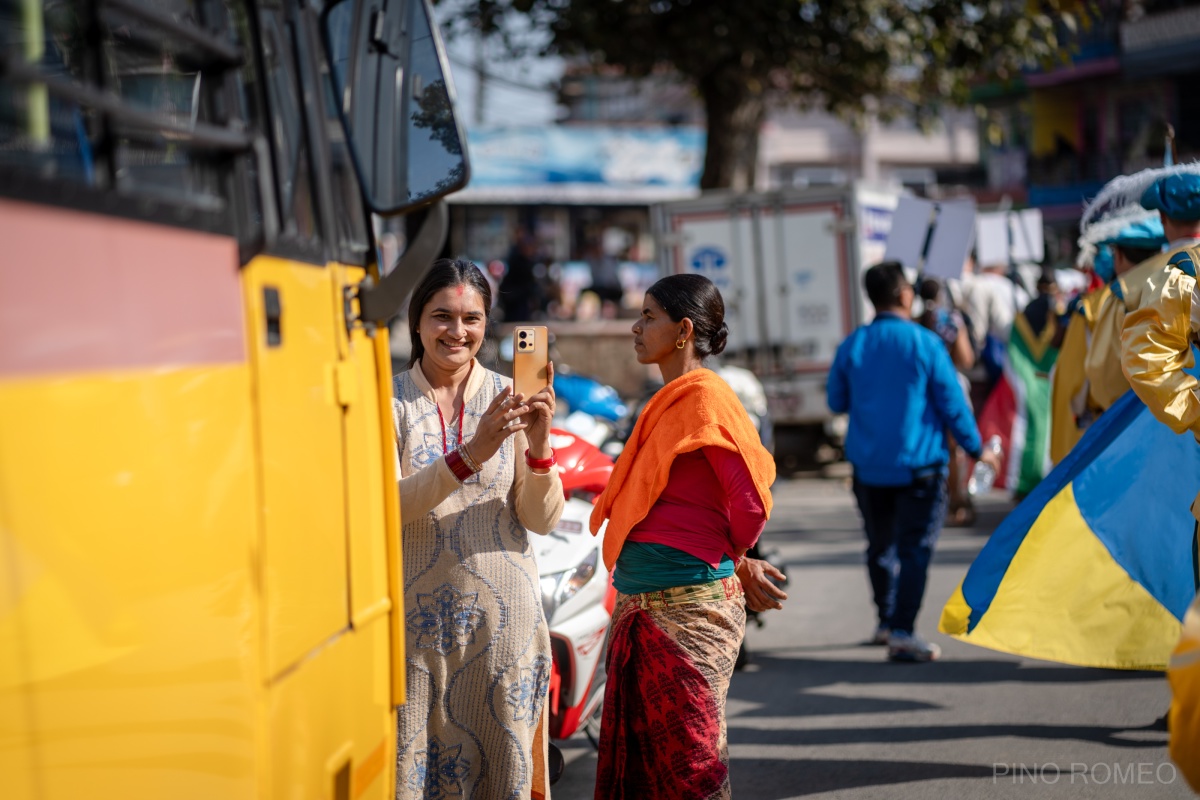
x=880 y=637
x=910 y=647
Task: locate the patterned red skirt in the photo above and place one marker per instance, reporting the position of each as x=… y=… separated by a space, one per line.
x=670 y=659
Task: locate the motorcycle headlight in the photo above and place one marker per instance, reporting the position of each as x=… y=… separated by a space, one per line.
x=560 y=587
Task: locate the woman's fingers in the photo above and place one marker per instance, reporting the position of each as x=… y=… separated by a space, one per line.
x=504 y=399
x=761 y=593
x=514 y=412
x=499 y=400
x=543 y=401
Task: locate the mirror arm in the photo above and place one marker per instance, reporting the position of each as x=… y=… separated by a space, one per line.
x=379 y=303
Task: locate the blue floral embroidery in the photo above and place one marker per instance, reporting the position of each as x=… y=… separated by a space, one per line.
x=429 y=451
x=446 y=619
x=528 y=693
x=439 y=771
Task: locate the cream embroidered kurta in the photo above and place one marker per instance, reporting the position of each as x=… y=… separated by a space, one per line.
x=477 y=649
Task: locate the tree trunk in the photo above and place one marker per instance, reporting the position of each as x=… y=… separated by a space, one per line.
x=735 y=114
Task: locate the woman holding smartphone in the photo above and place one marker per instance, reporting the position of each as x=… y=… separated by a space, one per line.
x=476 y=471
x=689 y=494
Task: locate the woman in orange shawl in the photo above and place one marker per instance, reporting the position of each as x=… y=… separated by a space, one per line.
x=689 y=494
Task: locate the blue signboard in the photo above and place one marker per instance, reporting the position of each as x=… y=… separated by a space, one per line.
x=663 y=161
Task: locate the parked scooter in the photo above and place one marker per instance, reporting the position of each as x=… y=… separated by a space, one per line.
x=577 y=592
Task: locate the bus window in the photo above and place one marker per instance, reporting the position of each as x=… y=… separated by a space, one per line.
x=299 y=230
x=40 y=133
x=138 y=96
x=351 y=224
x=154 y=70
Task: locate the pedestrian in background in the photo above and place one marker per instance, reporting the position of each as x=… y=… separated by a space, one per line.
x=991 y=300
x=476 y=475
x=948 y=323
x=520 y=292
x=1134 y=246
x=1032 y=351
x=605 y=269
x=1073 y=408
x=899 y=386
x=689 y=494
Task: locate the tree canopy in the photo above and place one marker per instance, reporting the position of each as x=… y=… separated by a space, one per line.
x=886 y=57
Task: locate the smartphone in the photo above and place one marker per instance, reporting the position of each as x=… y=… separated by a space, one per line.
x=530 y=350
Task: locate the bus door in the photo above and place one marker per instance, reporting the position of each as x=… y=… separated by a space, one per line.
x=376 y=107
x=325 y=488
x=292 y=332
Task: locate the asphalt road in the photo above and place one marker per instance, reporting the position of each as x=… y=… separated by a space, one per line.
x=819 y=714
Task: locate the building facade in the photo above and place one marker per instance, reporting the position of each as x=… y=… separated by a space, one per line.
x=1125 y=81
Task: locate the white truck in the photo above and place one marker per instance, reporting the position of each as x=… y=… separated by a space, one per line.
x=789 y=266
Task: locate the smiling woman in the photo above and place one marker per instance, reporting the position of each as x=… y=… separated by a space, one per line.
x=473 y=481
x=452 y=306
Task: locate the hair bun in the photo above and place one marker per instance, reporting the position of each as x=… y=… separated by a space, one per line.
x=716 y=342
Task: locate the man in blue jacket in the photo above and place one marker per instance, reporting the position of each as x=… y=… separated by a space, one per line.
x=899 y=386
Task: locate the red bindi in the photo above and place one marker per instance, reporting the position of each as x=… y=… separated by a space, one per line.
x=460 y=289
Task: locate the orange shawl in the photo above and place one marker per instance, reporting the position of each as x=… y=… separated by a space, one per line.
x=697 y=409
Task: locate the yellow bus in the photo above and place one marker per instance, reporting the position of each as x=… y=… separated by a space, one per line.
x=199 y=525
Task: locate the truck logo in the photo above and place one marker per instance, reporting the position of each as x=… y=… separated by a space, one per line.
x=708 y=258
x=877 y=223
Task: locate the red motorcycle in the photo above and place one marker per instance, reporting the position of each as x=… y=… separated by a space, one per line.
x=577 y=592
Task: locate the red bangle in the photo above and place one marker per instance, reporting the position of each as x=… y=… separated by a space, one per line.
x=458 y=466
x=540 y=463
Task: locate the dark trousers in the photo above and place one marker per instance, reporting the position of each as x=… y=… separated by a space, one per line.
x=902 y=525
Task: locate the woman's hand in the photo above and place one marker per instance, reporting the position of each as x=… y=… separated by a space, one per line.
x=761 y=593
x=501 y=420
x=540 y=417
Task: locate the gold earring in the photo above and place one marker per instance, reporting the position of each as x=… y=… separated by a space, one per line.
x=680 y=345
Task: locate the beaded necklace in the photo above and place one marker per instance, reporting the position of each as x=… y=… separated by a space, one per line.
x=462 y=413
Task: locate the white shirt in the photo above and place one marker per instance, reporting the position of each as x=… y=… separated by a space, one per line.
x=993 y=301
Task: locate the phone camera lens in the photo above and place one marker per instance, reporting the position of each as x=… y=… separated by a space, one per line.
x=524 y=334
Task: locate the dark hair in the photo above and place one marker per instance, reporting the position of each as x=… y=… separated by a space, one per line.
x=1047 y=280
x=1136 y=255
x=930 y=289
x=696 y=298
x=884 y=282
x=443 y=274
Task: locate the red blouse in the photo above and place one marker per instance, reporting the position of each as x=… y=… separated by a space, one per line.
x=708 y=508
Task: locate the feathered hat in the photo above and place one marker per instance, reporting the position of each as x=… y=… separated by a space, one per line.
x=1120 y=204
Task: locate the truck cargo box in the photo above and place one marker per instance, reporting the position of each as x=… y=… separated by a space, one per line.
x=789 y=267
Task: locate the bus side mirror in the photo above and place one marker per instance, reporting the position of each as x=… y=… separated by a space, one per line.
x=396 y=101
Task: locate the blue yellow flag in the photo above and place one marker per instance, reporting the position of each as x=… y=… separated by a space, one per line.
x=1096 y=566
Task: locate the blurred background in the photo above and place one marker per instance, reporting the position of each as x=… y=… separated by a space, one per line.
x=588 y=124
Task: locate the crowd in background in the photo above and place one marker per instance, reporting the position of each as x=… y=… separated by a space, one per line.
x=602 y=284
x=982 y=317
